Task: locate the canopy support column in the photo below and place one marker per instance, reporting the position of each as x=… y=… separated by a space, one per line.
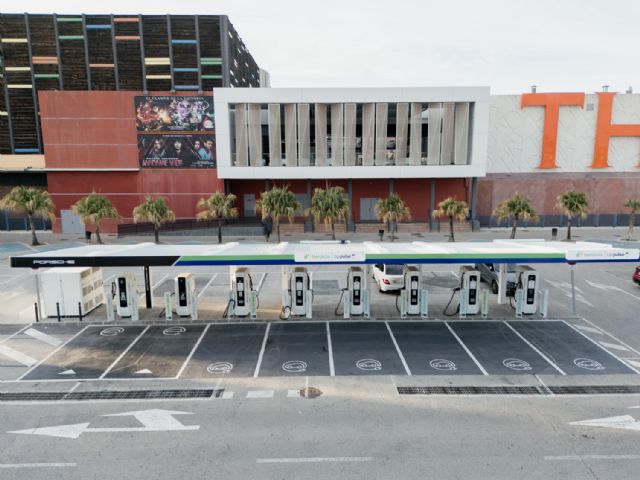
x=572 y=268
x=147 y=286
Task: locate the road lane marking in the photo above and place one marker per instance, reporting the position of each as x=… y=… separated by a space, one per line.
x=588 y=329
x=614 y=346
x=332 y=369
x=193 y=350
x=610 y=335
x=314 y=459
x=124 y=353
x=227 y=395
x=475 y=360
x=43 y=337
x=593 y=457
x=37 y=465
x=264 y=344
x=260 y=394
x=207 y=285
x=393 y=339
x=53 y=352
x=19 y=357
x=547 y=359
x=602 y=348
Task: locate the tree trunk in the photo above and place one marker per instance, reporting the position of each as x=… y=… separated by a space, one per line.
x=632 y=222
x=513 y=228
x=333 y=230
x=451 y=236
x=219 y=230
x=568 y=229
x=34 y=239
x=156 y=233
x=98 y=233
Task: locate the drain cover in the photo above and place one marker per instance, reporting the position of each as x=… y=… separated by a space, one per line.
x=310 y=392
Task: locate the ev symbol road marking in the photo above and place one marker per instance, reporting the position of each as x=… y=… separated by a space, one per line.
x=588 y=364
x=220 y=367
x=516 y=364
x=154 y=420
x=443 y=364
x=111 y=331
x=174 y=331
x=369 y=364
x=295 y=366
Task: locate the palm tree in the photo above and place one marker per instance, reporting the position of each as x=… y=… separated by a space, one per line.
x=330 y=205
x=632 y=204
x=155 y=211
x=94 y=208
x=217 y=207
x=278 y=202
x=454 y=210
x=392 y=210
x=31 y=202
x=573 y=204
x=514 y=209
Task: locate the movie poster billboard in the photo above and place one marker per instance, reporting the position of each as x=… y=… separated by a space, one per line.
x=174 y=113
x=177 y=150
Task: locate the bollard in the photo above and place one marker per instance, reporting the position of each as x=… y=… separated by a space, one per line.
x=35 y=305
x=463 y=303
x=484 y=304
x=519 y=301
x=80 y=311
x=58 y=310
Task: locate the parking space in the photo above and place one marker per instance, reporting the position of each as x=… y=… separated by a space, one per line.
x=6 y=331
x=500 y=350
x=574 y=354
x=296 y=349
x=25 y=348
x=227 y=350
x=431 y=349
x=364 y=348
x=88 y=355
x=159 y=353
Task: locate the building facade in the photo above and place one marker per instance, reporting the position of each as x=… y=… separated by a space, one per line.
x=162 y=53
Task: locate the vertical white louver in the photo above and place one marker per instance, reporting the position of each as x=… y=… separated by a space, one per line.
x=382 y=113
x=321 y=134
x=337 y=134
x=433 y=134
x=402 y=129
x=275 y=136
x=447 y=134
x=368 y=132
x=461 y=136
x=350 y=134
x=290 y=139
x=255 y=135
x=241 y=135
x=415 y=144
x=303 y=135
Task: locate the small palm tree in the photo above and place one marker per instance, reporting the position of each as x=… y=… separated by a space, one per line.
x=94 y=208
x=573 y=204
x=453 y=210
x=278 y=202
x=217 y=207
x=330 y=205
x=31 y=202
x=633 y=204
x=514 y=209
x=392 y=210
x=155 y=211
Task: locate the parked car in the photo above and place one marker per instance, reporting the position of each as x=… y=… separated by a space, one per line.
x=489 y=273
x=388 y=277
x=636 y=275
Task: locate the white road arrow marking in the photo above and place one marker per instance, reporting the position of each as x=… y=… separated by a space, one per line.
x=612 y=288
x=68 y=372
x=624 y=422
x=142 y=372
x=154 y=420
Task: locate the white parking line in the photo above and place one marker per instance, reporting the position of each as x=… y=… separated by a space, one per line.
x=475 y=360
x=332 y=369
x=16 y=333
x=535 y=349
x=37 y=465
x=193 y=350
x=54 y=351
x=610 y=335
x=207 y=285
x=393 y=339
x=614 y=346
x=264 y=344
x=260 y=394
x=124 y=352
x=588 y=329
x=314 y=460
x=593 y=457
x=601 y=347
x=19 y=357
x=43 y=337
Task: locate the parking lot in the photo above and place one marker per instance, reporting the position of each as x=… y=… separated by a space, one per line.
x=203 y=351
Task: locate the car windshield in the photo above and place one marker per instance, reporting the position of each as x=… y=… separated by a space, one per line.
x=393 y=269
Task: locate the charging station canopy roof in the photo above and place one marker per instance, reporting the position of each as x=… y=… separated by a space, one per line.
x=327 y=252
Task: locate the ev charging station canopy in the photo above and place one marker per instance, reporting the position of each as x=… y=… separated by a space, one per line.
x=327 y=252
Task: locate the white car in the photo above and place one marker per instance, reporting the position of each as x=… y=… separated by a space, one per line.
x=388 y=277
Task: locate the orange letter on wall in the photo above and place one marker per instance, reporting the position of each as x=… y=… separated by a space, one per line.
x=605 y=130
x=551 y=103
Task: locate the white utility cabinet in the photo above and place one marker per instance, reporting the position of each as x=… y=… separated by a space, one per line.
x=69 y=286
